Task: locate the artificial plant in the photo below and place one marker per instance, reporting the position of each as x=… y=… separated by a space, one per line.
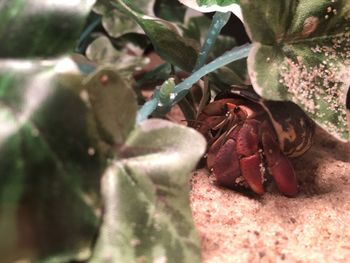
x=73 y=166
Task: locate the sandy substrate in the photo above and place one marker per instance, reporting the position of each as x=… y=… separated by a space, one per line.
x=312 y=227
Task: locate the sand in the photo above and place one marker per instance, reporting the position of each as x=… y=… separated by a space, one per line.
x=312 y=227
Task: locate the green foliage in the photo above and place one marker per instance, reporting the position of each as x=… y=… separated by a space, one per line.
x=113 y=104
x=147 y=215
x=30 y=29
x=214 y=5
x=115 y=22
x=101 y=51
x=170 y=10
x=166 y=39
x=300 y=53
x=54 y=147
x=62 y=133
x=216 y=2
x=50 y=162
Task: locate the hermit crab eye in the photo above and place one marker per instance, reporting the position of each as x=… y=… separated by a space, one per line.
x=236 y=109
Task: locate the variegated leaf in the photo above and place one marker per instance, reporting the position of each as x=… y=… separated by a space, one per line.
x=165 y=37
x=50 y=163
x=41 y=28
x=206 y=6
x=147 y=215
x=301 y=53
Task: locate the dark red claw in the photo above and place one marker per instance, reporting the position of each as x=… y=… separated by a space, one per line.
x=280 y=167
x=284 y=176
x=226 y=167
x=250 y=168
x=247 y=147
x=247 y=139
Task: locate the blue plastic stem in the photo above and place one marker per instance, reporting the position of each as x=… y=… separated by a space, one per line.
x=219 y=21
x=88 y=30
x=235 y=54
x=181 y=89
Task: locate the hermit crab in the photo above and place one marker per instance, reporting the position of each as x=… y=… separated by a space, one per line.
x=250 y=139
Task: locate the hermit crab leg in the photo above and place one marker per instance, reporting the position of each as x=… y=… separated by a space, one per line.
x=207 y=124
x=215 y=145
x=279 y=165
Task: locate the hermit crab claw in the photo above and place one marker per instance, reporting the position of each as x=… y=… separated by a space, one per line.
x=250 y=161
x=278 y=164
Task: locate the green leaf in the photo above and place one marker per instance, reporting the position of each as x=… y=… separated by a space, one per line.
x=50 y=165
x=40 y=28
x=56 y=128
x=197 y=28
x=147 y=215
x=231 y=74
x=102 y=7
x=215 y=45
x=234 y=73
x=300 y=53
x=206 y=6
x=55 y=131
x=170 y=10
x=166 y=39
x=118 y=23
x=216 y=2
x=103 y=52
x=113 y=104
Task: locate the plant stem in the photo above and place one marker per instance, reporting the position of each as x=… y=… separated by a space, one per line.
x=148 y=108
x=88 y=30
x=235 y=54
x=219 y=21
x=181 y=89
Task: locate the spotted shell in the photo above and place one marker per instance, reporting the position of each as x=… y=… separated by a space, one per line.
x=294 y=129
